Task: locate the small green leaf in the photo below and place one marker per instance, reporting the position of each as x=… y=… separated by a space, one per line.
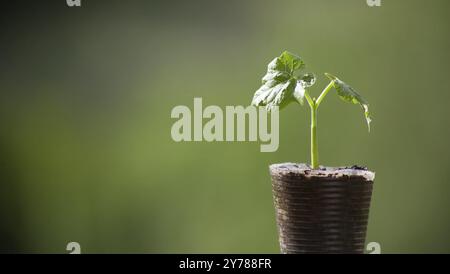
x=349 y=94
x=280 y=85
x=308 y=80
x=291 y=61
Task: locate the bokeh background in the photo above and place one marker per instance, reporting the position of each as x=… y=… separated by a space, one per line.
x=86 y=93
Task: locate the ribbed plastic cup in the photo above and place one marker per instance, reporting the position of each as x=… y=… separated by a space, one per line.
x=321 y=211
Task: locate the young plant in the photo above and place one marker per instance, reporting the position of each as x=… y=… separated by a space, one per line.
x=285 y=82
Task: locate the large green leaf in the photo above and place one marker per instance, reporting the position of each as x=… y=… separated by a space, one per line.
x=283 y=84
x=349 y=94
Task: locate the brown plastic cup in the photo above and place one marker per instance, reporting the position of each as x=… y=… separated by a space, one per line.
x=323 y=210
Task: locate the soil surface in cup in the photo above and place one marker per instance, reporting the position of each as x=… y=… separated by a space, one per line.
x=322 y=210
x=306 y=173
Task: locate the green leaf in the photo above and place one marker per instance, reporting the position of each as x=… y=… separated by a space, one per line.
x=280 y=85
x=273 y=94
x=349 y=94
x=308 y=80
x=299 y=93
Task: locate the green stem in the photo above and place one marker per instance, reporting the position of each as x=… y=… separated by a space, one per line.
x=314 y=139
x=314 y=105
x=309 y=100
x=324 y=93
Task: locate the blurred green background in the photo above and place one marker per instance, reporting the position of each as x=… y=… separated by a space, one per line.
x=86 y=93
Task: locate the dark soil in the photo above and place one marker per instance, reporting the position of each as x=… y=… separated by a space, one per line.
x=323 y=173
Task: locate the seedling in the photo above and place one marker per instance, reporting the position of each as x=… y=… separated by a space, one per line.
x=285 y=82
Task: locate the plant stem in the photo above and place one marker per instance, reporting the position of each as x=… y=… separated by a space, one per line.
x=324 y=93
x=309 y=100
x=314 y=139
